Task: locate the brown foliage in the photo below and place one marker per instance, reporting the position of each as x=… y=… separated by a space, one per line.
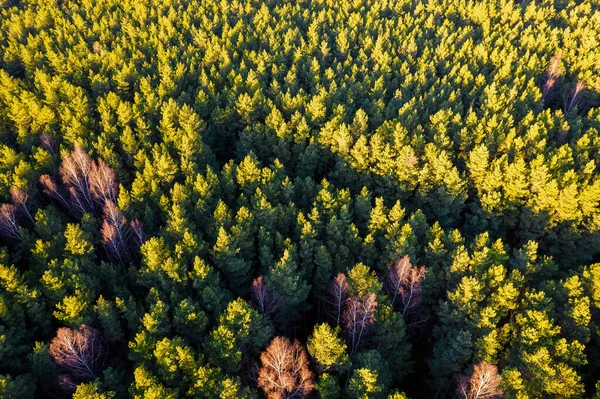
x=77 y=351
x=358 y=317
x=285 y=373
x=483 y=383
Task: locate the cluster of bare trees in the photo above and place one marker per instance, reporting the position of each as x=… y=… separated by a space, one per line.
x=402 y=282
x=484 y=383
x=92 y=186
x=284 y=373
x=89 y=184
x=77 y=353
x=354 y=313
x=571 y=98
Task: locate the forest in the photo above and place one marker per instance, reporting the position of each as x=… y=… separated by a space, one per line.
x=289 y=199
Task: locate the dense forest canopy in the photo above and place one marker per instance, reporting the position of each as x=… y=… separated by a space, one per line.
x=290 y=199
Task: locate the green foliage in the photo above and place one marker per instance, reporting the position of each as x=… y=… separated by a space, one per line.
x=327 y=349
x=296 y=141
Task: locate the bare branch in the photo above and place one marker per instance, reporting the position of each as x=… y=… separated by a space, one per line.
x=77 y=351
x=483 y=383
x=48 y=143
x=285 y=373
x=115 y=232
x=263 y=299
x=51 y=189
x=103 y=181
x=75 y=171
x=574 y=97
x=403 y=281
x=8 y=222
x=358 y=317
x=137 y=230
x=552 y=74
x=19 y=198
x=338 y=294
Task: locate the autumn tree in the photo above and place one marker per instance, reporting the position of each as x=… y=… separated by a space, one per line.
x=284 y=373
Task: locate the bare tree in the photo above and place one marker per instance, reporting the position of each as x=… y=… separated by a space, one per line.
x=338 y=294
x=574 y=96
x=263 y=299
x=403 y=281
x=137 y=230
x=75 y=171
x=358 y=317
x=552 y=74
x=8 y=222
x=52 y=189
x=77 y=351
x=19 y=198
x=103 y=180
x=48 y=142
x=115 y=231
x=284 y=373
x=483 y=383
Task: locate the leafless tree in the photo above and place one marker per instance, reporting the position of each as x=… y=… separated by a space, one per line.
x=338 y=294
x=263 y=299
x=552 y=74
x=19 y=198
x=77 y=351
x=358 y=317
x=483 y=383
x=8 y=222
x=284 y=373
x=137 y=232
x=403 y=281
x=103 y=180
x=574 y=96
x=66 y=383
x=75 y=171
x=48 y=142
x=53 y=190
x=115 y=231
